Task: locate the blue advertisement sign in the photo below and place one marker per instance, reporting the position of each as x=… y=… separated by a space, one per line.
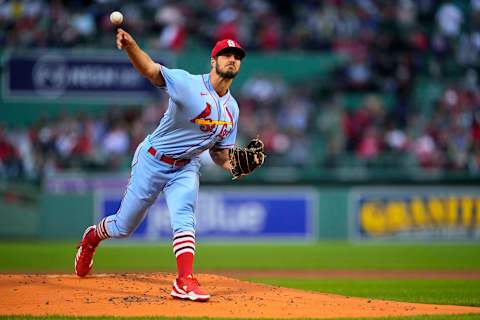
x=64 y=75
x=233 y=214
x=415 y=213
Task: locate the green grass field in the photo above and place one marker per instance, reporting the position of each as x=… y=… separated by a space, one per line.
x=41 y=257
x=58 y=256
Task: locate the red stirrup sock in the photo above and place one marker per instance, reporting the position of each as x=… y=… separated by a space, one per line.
x=101 y=230
x=184 y=249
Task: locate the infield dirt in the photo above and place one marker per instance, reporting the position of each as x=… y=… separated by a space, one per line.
x=149 y=295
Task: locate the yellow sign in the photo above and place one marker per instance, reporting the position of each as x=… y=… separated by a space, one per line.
x=387 y=217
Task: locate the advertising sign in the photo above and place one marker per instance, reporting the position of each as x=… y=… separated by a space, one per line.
x=415 y=213
x=67 y=75
x=237 y=214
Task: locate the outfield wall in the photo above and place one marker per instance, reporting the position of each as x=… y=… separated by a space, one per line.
x=263 y=213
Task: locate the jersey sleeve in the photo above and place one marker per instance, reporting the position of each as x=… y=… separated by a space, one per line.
x=176 y=82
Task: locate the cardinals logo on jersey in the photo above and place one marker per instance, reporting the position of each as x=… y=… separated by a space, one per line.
x=204 y=125
x=207 y=124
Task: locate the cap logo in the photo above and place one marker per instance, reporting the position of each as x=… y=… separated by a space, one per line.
x=231 y=43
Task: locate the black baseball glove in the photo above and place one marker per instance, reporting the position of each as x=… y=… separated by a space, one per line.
x=244 y=160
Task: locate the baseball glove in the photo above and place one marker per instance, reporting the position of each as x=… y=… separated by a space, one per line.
x=244 y=160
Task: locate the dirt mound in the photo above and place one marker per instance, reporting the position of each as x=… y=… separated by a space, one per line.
x=149 y=295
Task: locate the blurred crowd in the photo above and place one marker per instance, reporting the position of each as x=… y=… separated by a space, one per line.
x=257 y=24
x=76 y=141
x=297 y=130
x=397 y=53
x=301 y=127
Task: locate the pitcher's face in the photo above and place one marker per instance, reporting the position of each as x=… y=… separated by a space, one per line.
x=227 y=64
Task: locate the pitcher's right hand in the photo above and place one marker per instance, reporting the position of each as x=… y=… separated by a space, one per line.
x=124 y=39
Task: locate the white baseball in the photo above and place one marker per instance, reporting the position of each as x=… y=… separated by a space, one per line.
x=116 y=18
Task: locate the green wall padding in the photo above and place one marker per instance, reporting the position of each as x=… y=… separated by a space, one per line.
x=333 y=213
x=65 y=216
x=19 y=221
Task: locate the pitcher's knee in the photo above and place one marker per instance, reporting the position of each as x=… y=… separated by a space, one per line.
x=185 y=224
x=124 y=232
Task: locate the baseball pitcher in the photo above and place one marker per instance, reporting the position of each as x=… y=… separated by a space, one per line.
x=202 y=114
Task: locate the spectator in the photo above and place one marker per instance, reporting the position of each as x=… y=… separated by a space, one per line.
x=449 y=20
x=10 y=163
x=116 y=142
x=172 y=24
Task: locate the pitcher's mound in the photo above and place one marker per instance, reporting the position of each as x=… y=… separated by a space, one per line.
x=149 y=295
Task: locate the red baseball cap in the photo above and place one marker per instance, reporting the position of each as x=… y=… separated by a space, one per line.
x=228 y=44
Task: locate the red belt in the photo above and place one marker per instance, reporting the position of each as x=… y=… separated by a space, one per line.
x=167 y=159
